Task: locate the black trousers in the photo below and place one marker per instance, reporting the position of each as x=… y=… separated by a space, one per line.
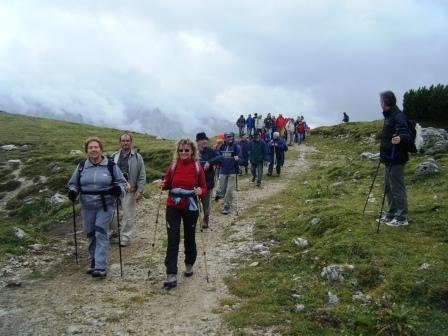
x=173 y=219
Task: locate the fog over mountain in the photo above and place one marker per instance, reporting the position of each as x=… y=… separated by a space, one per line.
x=175 y=67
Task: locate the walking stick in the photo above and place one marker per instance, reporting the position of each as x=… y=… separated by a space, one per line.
x=371 y=187
x=153 y=244
x=74 y=233
x=201 y=220
x=119 y=236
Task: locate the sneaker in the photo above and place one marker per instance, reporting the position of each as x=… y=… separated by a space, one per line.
x=225 y=211
x=99 y=273
x=188 y=270
x=385 y=217
x=397 y=222
x=171 y=281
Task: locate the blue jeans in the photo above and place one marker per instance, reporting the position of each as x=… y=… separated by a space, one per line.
x=299 y=138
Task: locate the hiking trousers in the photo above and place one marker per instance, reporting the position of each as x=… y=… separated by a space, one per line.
x=128 y=221
x=96 y=226
x=226 y=187
x=278 y=168
x=205 y=200
x=257 y=172
x=173 y=219
x=396 y=191
x=290 y=138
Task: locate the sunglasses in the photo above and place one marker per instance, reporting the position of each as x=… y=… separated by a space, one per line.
x=183 y=150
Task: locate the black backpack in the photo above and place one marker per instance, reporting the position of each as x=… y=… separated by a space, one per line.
x=411 y=148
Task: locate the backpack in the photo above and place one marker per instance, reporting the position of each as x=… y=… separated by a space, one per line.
x=300 y=128
x=110 y=167
x=196 y=170
x=410 y=147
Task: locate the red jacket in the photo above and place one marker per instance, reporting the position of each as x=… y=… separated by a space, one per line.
x=280 y=122
x=185 y=177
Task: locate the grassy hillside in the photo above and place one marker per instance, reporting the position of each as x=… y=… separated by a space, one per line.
x=47 y=163
x=406 y=298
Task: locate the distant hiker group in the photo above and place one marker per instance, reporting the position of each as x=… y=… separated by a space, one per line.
x=107 y=184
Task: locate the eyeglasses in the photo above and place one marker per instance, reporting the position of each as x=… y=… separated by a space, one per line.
x=183 y=150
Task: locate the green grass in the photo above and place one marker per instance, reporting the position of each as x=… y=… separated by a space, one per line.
x=406 y=300
x=49 y=142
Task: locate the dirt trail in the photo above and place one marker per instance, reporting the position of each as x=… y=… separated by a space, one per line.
x=67 y=301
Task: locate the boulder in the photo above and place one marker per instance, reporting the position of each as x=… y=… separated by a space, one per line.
x=331 y=299
x=427 y=167
x=362 y=298
x=57 y=198
x=315 y=221
x=299 y=307
x=9 y=147
x=332 y=273
x=369 y=156
x=14 y=162
x=19 y=233
x=300 y=242
x=434 y=140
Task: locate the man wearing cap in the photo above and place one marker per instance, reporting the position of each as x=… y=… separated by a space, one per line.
x=208 y=157
x=229 y=153
x=133 y=168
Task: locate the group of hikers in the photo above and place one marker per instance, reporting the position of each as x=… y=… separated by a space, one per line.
x=292 y=130
x=105 y=183
x=190 y=178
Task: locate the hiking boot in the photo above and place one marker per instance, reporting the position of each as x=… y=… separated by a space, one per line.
x=259 y=185
x=385 y=217
x=205 y=222
x=397 y=222
x=253 y=179
x=171 y=281
x=91 y=268
x=99 y=273
x=124 y=242
x=188 y=270
x=217 y=197
x=225 y=211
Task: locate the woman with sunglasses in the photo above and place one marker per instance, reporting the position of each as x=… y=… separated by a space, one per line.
x=185 y=180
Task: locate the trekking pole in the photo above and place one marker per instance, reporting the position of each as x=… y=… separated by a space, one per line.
x=74 y=233
x=119 y=236
x=153 y=244
x=371 y=187
x=201 y=220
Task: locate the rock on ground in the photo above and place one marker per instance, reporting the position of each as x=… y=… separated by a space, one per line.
x=427 y=167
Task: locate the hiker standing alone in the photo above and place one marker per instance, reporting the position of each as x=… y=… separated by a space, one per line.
x=185 y=180
x=133 y=168
x=208 y=157
x=394 y=154
x=229 y=155
x=100 y=182
x=345 y=118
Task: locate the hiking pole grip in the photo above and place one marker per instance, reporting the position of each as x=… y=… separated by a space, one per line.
x=119 y=236
x=74 y=233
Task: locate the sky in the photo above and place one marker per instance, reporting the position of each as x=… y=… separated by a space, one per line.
x=194 y=59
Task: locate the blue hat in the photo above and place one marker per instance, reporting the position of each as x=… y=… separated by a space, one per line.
x=228 y=134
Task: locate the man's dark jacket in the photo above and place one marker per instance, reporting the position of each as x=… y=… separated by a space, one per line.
x=258 y=152
x=395 y=123
x=211 y=156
